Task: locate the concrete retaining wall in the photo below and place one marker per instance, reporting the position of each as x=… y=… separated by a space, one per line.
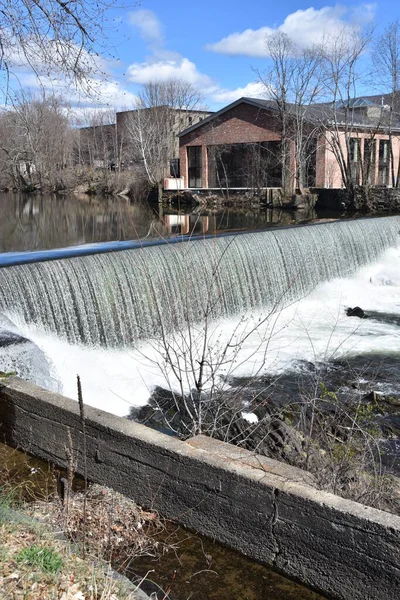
x=263 y=508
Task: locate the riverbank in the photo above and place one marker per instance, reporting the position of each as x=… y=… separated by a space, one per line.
x=67 y=547
x=37 y=566
x=105 y=183
x=192 y=567
x=87 y=182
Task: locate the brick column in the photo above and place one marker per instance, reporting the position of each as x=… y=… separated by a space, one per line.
x=183 y=163
x=204 y=167
x=376 y=166
x=320 y=159
x=292 y=167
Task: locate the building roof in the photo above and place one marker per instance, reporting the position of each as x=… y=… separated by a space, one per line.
x=387 y=99
x=356 y=103
x=165 y=106
x=358 y=111
x=252 y=101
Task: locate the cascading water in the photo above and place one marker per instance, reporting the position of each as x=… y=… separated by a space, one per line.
x=116 y=298
x=102 y=315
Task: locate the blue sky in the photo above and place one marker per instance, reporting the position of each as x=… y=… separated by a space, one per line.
x=217 y=44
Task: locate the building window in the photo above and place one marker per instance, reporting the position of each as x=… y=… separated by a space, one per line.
x=250 y=166
x=369 y=162
x=310 y=166
x=384 y=162
x=194 y=166
x=174 y=167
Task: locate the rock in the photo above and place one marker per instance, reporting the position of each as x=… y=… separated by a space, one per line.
x=302 y=201
x=356 y=312
x=373 y=397
x=9 y=338
x=23 y=357
x=223 y=418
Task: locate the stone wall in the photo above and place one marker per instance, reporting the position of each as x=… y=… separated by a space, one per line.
x=367 y=200
x=260 y=507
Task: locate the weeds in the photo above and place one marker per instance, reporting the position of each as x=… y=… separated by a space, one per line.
x=342 y=440
x=38 y=566
x=44 y=558
x=116 y=529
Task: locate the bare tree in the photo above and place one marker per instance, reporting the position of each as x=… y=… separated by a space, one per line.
x=148 y=140
x=293 y=83
x=96 y=144
x=174 y=93
x=53 y=38
x=341 y=120
x=37 y=141
x=386 y=61
x=151 y=127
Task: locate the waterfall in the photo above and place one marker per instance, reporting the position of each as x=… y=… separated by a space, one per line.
x=113 y=299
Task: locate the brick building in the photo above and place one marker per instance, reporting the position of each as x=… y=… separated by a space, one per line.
x=240 y=147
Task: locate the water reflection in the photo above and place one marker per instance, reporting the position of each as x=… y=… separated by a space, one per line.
x=199 y=568
x=35 y=222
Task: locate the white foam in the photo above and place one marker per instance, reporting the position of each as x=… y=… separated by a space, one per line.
x=315 y=328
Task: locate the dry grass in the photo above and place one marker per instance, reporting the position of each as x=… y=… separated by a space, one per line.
x=75 y=580
x=38 y=532
x=116 y=529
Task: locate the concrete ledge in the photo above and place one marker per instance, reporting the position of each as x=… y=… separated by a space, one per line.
x=264 y=509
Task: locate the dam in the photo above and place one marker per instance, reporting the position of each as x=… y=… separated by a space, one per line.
x=258 y=298
x=113 y=298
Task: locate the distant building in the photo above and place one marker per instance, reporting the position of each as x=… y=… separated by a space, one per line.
x=170 y=120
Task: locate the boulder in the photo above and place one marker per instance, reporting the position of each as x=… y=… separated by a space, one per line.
x=356 y=312
x=22 y=356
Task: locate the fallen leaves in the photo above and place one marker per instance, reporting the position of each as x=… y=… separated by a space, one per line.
x=73 y=593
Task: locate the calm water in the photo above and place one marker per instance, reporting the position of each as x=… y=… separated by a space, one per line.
x=36 y=222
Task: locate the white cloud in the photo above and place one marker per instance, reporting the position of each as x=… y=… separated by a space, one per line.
x=98 y=92
x=304 y=27
x=47 y=57
x=248 y=43
x=149 y=26
x=251 y=90
x=310 y=26
x=163 y=64
x=45 y=68
x=112 y=93
x=161 y=70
